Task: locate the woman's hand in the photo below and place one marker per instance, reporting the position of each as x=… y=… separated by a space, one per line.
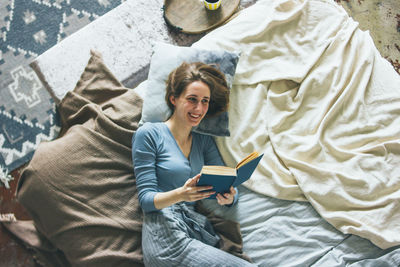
x=191 y=192
x=226 y=198
x=188 y=192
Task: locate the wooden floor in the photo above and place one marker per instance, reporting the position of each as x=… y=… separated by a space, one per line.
x=12 y=251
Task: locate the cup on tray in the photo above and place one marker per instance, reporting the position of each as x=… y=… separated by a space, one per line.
x=212 y=4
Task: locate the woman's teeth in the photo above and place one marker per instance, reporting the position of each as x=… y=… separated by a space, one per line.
x=194 y=115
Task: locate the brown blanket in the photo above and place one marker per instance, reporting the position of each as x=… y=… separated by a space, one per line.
x=80 y=188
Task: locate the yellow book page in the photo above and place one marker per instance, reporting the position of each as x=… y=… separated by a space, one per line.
x=218 y=170
x=247 y=159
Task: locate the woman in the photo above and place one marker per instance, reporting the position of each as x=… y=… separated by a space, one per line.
x=165 y=156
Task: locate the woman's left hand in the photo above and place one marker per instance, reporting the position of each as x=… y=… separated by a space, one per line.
x=226 y=198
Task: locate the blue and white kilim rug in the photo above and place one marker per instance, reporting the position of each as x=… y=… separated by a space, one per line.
x=28 y=28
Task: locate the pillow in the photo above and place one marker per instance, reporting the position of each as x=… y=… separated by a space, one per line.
x=166 y=58
x=80 y=188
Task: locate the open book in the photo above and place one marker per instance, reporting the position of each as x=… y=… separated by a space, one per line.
x=222 y=177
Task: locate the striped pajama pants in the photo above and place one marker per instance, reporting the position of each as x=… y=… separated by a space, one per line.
x=179 y=236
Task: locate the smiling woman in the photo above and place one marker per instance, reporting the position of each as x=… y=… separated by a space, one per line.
x=194 y=91
x=186 y=73
x=166 y=155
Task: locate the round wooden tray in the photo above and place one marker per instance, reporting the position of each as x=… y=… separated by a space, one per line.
x=191 y=16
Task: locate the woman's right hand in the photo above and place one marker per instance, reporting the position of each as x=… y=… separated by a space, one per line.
x=191 y=192
x=188 y=192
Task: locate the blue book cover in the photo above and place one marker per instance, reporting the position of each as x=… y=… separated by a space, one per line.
x=222 y=177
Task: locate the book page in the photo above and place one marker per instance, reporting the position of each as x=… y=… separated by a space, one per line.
x=247 y=159
x=219 y=170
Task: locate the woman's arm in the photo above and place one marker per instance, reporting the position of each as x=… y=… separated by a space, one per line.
x=144 y=150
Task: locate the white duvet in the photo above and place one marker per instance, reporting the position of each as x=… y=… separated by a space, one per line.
x=312 y=92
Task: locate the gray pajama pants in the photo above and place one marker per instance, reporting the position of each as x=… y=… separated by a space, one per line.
x=179 y=236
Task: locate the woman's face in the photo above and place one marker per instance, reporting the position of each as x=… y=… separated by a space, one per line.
x=192 y=105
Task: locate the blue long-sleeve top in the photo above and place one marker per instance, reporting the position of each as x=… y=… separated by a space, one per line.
x=160 y=165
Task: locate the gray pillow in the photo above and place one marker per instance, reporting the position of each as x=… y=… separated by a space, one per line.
x=166 y=58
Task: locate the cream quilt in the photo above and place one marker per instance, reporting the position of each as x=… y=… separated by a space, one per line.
x=312 y=92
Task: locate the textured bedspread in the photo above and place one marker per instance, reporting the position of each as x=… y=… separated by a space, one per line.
x=313 y=93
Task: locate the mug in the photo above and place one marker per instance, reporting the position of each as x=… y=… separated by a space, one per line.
x=212 y=4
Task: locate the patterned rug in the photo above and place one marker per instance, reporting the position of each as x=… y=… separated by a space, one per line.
x=28 y=28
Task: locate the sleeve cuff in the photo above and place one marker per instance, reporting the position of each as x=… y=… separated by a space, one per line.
x=147 y=203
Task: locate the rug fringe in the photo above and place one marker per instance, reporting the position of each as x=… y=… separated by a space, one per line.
x=5 y=177
x=7 y=217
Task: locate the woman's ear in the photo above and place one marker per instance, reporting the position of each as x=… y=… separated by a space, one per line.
x=172 y=99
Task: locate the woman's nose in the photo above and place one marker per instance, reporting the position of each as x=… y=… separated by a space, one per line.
x=198 y=106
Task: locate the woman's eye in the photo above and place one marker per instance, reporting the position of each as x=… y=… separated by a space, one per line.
x=192 y=100
x=205 y=101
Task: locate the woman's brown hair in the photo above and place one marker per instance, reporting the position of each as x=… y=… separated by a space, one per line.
x=187 y=73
